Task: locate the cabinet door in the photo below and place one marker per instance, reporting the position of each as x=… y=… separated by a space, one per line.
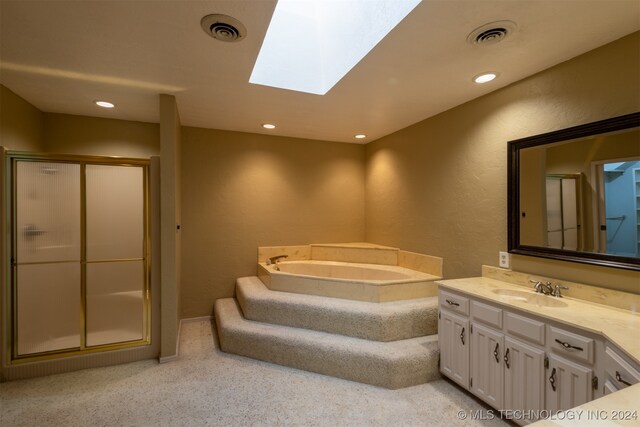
x=453 y=336
x=568 y=384
x=487 y=373
x=523 y=376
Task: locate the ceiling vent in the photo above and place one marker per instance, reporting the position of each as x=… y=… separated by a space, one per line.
x=223 y=28
x=491 y=33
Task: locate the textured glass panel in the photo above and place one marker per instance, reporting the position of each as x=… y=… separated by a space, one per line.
x=114 y=302
x=115 y=201
x=48 y=211
x=49 y=309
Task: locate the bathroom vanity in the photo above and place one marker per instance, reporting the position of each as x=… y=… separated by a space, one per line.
x=519 y=350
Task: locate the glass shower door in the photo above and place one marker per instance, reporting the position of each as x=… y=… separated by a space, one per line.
x=80 y=273
x=115 y=268
x=47 y=257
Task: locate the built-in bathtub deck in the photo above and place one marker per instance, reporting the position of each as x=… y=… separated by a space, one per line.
x=362 y=312
x=403 y=275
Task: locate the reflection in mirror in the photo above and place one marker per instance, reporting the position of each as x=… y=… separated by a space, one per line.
x=575 y=194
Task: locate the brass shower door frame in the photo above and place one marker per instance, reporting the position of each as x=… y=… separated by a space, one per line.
x=12 y=351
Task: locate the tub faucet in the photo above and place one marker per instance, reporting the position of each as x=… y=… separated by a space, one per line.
x=542 y=288
x=276 y=259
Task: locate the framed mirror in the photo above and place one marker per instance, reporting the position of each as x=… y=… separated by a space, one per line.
x=574 y=194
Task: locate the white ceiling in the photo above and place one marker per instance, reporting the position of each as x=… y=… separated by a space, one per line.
x=62 y=55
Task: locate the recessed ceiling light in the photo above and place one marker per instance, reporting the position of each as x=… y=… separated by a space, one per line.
x=360 y=136
x=268 y=126
x=104 y=104
x=485 y=77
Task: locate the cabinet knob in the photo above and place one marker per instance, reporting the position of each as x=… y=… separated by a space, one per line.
x=495 y=352
x=506 y=358
x=462 y=336
x=452 y=302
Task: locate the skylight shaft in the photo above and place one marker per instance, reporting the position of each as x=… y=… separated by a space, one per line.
x=311 y=44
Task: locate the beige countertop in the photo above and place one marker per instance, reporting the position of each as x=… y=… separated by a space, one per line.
x=617 y=325
x=619 y=408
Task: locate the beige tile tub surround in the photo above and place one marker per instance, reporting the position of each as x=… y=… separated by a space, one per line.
x=610 y=297
x=359 y=252
x=355 y=252
x=419 y=262
x=416 y=285
x=617 y=325
x=292 y=252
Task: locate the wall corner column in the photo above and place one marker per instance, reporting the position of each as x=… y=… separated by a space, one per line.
x=170 y=215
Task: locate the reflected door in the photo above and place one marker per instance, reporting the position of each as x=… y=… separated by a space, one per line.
x=563 y=213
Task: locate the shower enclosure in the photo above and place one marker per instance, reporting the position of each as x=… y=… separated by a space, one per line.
x=79 y=258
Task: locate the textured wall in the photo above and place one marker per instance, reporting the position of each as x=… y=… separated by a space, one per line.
x=241 y=191
x=439 y=187
x=21 y=124
x=69 y=134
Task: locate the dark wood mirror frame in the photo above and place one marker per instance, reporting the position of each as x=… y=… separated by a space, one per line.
x=513 y=189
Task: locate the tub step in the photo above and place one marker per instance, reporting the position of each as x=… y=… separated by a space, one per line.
x=391 y=365
x=388 y=321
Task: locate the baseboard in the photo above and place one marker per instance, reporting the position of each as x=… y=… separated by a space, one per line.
x=168 y=359
x=174 y=357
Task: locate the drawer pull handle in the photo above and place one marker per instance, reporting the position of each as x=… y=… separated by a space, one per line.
x=567 y=345
x=552 y=379
x=506 y=358
x=452 y=303
x=462 y=336
x=495 y=353
x=620 y=380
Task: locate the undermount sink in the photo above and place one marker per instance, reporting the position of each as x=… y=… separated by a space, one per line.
x=529 y=298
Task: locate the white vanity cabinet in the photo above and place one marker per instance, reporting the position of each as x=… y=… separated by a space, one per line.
x=514 y=360
x=619 y=371
x=487 y=368
x=453 y=336
x=500 y=364
x=524 y=376
x=570 y=376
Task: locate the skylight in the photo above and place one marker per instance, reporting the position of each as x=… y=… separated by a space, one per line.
x=311 y=44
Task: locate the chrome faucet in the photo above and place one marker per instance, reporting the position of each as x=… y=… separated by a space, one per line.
x=543 y=287
x=276 y=259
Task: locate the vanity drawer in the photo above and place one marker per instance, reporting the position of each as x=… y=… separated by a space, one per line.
x=621 y=372
x=569 y=344
x=454 y=302
x=525 y=328
x=487 y=314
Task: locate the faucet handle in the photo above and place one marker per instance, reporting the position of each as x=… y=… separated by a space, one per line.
x=556 y=291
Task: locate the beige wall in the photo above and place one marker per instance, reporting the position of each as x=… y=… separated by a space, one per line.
x=439 y=186
x=170 y=234
x=95 y=136
x=21 y=124
x=241 y=191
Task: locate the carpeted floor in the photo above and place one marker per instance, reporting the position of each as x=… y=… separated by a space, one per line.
x=208 y=387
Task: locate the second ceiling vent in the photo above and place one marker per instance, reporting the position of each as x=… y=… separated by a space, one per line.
x=224 y=28
x=491 y=33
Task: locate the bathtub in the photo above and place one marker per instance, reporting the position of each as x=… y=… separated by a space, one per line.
x=363 y=282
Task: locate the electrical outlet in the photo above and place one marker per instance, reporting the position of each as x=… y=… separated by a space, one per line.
x=505 y=260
